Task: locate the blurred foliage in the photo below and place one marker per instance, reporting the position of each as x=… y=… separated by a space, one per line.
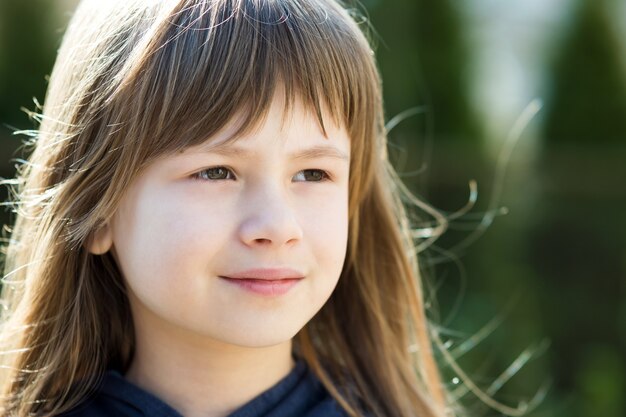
x=553 y=269
x=28 y=48
x=27 y=51
x=588 y=96
x=424 y=62
x=577 y=239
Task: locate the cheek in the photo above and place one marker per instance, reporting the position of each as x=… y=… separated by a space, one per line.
x=326 y=229
x=160 y=242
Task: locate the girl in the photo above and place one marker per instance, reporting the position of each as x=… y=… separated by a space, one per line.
x=209 y=225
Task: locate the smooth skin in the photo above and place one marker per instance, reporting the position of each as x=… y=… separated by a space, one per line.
x=204 y=345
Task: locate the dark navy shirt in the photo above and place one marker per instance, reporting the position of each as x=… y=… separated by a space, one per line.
x=299 y=394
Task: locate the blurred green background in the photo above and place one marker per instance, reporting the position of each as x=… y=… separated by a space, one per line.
x=531 y=282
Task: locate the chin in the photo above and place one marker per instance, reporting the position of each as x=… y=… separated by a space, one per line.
x=261 y=336
x=262 y=340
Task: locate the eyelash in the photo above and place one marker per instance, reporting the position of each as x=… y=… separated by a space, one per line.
x=201 y=177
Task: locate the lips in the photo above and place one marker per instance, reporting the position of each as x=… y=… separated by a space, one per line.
x=266 y=281
x=267 y=274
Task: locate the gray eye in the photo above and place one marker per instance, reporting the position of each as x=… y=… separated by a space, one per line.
x=314 y=175
x=215 y=173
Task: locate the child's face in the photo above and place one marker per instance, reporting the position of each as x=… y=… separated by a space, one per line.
x=174 y=235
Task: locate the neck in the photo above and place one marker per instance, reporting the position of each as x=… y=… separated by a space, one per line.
x=203 y=377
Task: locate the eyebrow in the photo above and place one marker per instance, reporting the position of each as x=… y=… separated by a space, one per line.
x=319 y=151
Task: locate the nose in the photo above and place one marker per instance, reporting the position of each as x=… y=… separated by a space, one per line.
x=270 y=220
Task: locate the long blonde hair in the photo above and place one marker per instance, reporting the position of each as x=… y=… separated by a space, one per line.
x=138 y=79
